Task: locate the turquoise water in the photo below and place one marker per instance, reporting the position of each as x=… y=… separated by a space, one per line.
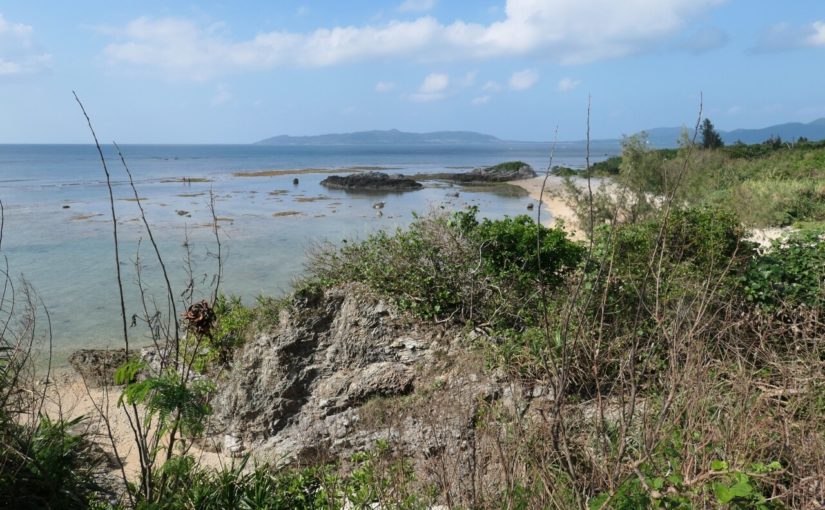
x=267 y=223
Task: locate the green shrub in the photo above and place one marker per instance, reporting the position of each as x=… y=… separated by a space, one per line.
x=697 y=243
x=610 y=166
x=520 y=249
x=791 y=272
x=48 y=467
x=191 y=486
x=458 y=267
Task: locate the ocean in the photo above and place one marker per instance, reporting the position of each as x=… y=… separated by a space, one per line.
x=58 y=233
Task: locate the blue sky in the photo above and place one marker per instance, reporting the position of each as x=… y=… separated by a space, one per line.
x=234 y=72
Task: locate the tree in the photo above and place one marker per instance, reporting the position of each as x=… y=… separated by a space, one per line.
x=710 y=137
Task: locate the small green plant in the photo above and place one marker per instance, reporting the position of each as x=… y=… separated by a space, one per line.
x=791 y=272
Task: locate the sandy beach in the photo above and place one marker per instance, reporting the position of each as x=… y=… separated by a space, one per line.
x=553 y=203
x=68 y=398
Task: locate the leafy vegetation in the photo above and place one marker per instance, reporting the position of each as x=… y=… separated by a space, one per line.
x=765 y=184
x=711 y=139
x=455 y=267
x=684 y=363
x=790 y=273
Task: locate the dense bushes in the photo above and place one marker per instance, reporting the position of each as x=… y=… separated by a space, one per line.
x=44 y=463
x=456 y=267
x=765 y=184
x=375 y=477
x=48 y=466
x=790 y=273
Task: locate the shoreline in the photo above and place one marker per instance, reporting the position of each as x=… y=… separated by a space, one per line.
x=553 y=204
x=68 y=397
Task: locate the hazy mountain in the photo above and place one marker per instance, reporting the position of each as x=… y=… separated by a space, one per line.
x=389 y=137
x=790 y=131
x=658 y=137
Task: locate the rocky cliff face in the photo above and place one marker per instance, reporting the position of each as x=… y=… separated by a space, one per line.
x=344 y=370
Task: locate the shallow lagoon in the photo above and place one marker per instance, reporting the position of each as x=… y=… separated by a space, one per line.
x=266 y=222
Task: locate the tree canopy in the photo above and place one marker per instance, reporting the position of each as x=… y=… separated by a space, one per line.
x=710 y=137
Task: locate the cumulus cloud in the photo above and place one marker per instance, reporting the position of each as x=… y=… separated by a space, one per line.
x=568 y=84
x=566 y=31
x=432 y=88
x=523 y=80
x=416 y=5
x=19 y=54
x=783 y=36
x=384 y=86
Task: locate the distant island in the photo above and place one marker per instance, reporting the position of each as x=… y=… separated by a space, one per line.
x=662 y=137
x=386 y=137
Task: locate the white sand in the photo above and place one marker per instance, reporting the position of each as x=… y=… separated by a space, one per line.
x=553 y=204
x=67 y=397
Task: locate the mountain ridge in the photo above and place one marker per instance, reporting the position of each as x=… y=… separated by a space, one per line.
x=788 y=131
x=658 y=137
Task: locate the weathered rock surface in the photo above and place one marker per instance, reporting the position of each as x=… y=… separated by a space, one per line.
x=97 y=366
x=344 y=370
x=510 y=171
x=371 y=181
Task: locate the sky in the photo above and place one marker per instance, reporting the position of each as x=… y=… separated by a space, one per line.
x=154 y=71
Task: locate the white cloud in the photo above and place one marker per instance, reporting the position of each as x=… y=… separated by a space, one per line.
x=222 y=95
x=19 y=54
x=432 y=88
x=434 y=82
x=523 y=80
x=481 y=100
x=416 y=5
x=817 y=37
x=492 y=86
x=384 y=86
x=783 y=36
x=565 y=31
x=568 y=84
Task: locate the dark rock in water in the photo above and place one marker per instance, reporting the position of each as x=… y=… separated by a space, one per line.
x=530 y=206
x=295 y=181
x=371 y=181
x=65 y=207
x=98 y=366
x=509 y=171
x=503 y=172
